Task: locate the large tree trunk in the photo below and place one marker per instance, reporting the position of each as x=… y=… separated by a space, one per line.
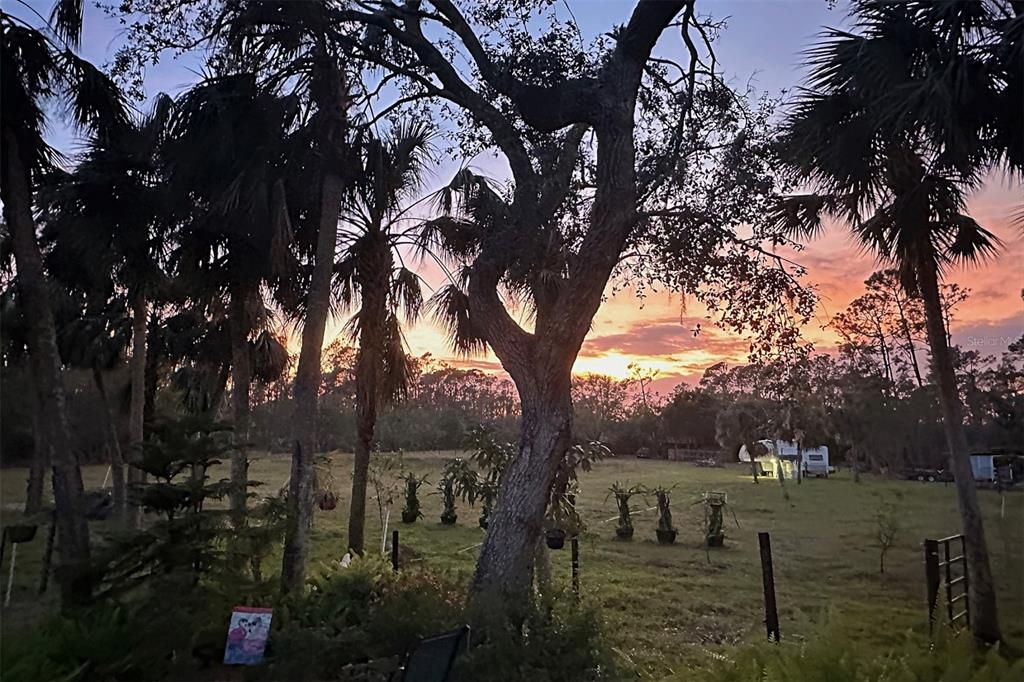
x=113 y=444
x=241 y=379
x=307 y=388
x=373 y=290
x=516 y=522
x=136 y=409
x=46 y=367
x=984 y=615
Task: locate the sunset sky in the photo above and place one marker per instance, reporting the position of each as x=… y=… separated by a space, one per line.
x=762 y=45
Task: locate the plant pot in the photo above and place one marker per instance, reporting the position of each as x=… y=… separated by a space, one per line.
x=716 y=540
x=328 y=501
x=449 y=519
x=21 y=532
x=483 y=522
x=409 y=516
x=666 y=537
x=624 y=533
x=555 y=538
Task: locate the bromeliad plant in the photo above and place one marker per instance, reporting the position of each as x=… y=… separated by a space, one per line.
x=622 y=494
x=324 y=489
x=412 y=483
x=666 y=531
x=715 y=505
x=492 y=457
x=458 y=481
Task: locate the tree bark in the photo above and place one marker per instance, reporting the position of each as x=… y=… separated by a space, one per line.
x=241 y=379
x=307 y=388
x=515 y=525
x=373 y=290
x=113 y=445
x=40 y=459
x=136 y=409
x=984 y=614
x=33 y=286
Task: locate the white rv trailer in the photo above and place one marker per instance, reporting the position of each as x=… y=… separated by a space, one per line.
x=812 y=461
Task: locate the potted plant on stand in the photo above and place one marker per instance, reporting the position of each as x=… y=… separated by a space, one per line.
x=666 y=531
x=458 y=480
x=622 y=494
x=715 y=504
x=491 y=457
x=411 y=510
x=323 y=484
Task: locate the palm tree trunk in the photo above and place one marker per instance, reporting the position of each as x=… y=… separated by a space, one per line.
x=241 y=378
x=984 y=614
x=40 y=459
x=373 y=288
x=47 y=380
x=307 y=388
x=113 y=444
x=136 y=409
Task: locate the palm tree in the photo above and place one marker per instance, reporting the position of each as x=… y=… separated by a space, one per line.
x=94 y=336
x=290 y=41
x=34 y=69
x=226 y=156
x=14 y=351
x=108 y=225
x=371 y=273
x=903 y=197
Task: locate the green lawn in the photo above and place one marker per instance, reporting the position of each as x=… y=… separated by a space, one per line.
x=668 y=607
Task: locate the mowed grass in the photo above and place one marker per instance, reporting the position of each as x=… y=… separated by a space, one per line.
x=669 y=608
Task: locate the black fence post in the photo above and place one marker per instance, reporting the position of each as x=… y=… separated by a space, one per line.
x=931 y=575
x=394 y=550
x=574 y=545
x=771 y=613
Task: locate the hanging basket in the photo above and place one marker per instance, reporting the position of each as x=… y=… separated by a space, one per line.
x=21 y=532
x=328 y=501
x=555 y=538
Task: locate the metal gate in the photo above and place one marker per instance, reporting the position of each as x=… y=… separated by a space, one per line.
x=946 y=567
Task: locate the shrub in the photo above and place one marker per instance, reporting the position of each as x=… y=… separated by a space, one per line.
x=837 y=658
x=555 y=639
x=356 y=614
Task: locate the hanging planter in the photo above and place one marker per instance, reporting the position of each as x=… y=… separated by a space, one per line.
x=328 y=501
x=21 y=532
x=555 y=538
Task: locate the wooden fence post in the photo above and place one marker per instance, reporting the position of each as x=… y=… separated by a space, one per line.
x=932 y=578
x=771 y=613
x=394 y=551
x=574 y=545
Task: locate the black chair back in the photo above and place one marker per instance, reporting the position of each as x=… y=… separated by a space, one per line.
x=432 y=659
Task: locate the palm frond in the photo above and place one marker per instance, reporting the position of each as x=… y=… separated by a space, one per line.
x=269 y=356
x=799 y=216
x=66 y=18
x=95 y=101
x=449 y=307
x=398 y=374
x=407 y=293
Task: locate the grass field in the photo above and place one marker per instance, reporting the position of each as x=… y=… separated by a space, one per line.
x=669 y=607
